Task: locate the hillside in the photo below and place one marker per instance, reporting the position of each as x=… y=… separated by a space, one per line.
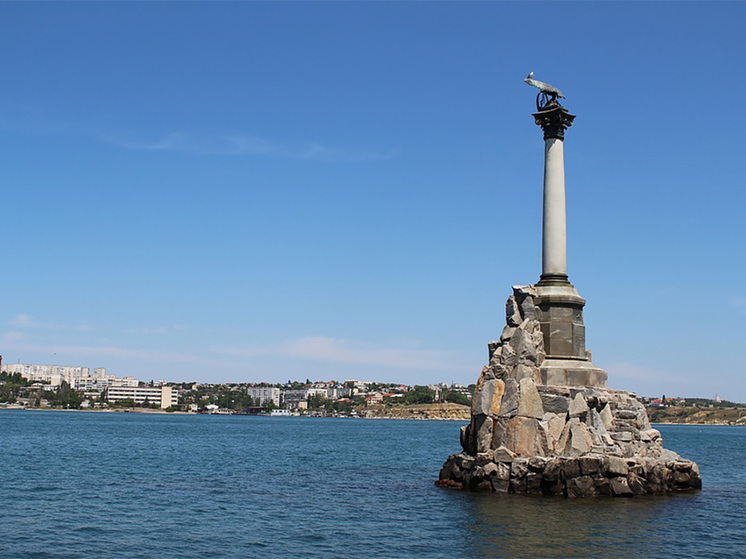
x=696 y=415
x=446 y=411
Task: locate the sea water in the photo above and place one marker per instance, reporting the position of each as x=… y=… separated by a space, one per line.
x=91 y=485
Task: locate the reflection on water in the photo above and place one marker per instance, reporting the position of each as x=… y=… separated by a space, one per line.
x=508 y=525
x=709 y=523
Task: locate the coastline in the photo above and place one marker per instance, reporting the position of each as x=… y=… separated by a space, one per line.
x=135 y=410
x=421 y=412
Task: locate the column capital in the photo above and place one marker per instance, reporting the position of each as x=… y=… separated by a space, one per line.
x=554 y=119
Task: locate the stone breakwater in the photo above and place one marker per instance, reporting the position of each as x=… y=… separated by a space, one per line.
x=526 y=437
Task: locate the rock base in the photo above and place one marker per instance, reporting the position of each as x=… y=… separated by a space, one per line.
x=528 y=435
x=586 y=476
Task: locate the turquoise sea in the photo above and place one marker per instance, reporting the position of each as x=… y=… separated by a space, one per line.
x=92 y=485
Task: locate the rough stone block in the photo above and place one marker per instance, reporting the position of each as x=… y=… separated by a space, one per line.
x=570 y=468
x=490 y=469
x=553 y=469
x=625 y=414
x=498 y=431
x=465 y=462
x=607 y=417
x=512 y=312
x=554 y=403
x=637 y=484
x=503 y=471
x=497 y=397
x=650 y=435
x=447 y=470
x=508 y=332
x=492 y=346
x=483 y=426
x=524 y=294
x=464 y=437
x=603 y=487
x=529 y=402
x=503 y=454
x=622 y=436
x=509 y=405
x=483 y=396
x=524 y=347
x=582 y=486
x=620 y=487
x=519 y=468
x=517 y=486
x=496 y=355
x=578 y=407
x=508 y=357
x=615 y=466
x=590 y=465
x=526 y=437
x=594 y=418
x=529 y=310
x=523 y=371
x=553 y=425
x=533 y=482
x=580 y=442
x=483 y=458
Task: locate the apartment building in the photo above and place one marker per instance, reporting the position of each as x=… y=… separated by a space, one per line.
x=164 y=396
x=263 y=394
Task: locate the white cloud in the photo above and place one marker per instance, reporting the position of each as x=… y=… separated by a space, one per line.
x=251 y=145
x=12 y=337
x=23 y=321
x=334 y=350
x=14 y=342
x=28 y=322
x=218 y=145
x=157 y=330
x=646 y=380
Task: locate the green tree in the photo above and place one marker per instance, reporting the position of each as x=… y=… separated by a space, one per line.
x=124 y=403
x=457 y=398
x=316 y=401
x=419 y=395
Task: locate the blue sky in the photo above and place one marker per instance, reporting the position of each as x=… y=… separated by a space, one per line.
x=249 y=191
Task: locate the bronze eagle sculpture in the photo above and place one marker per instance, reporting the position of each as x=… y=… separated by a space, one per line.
x=544 y=87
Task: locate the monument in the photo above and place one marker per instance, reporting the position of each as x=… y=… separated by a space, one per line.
x=543 y=419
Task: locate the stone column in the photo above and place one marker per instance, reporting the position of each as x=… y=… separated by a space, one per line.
x=561 y=307
x=554 y=230
x=554 y=121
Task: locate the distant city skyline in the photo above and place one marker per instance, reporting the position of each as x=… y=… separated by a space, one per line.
x=248 y=192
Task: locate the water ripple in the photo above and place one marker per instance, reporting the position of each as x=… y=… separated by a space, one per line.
x=127 y=485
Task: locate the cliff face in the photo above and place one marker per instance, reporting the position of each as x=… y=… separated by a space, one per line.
x=446 y=411
x=525 y=436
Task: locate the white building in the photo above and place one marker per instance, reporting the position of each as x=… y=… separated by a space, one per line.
x=79 y=378
x=52 y=375
x=298 y=399
x=164 y=396
x=263 y=394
